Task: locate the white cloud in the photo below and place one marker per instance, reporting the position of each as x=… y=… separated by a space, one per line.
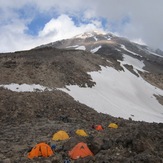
x=13 y=36
x=144 y=18
x=63 y=27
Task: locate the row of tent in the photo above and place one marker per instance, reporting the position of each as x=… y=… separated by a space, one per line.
x=81 y=150
x=62 y=135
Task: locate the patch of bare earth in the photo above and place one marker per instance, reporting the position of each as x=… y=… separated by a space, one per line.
x=155 y=79
x=160 y=99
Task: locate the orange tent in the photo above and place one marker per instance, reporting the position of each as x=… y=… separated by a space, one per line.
x=98 y=127
x=41 y=149
x=81 y=150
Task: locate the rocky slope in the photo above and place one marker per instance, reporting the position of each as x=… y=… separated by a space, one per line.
x=28 y=118
x=60 y=67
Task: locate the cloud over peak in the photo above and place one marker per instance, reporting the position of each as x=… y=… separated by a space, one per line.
x=28 y=23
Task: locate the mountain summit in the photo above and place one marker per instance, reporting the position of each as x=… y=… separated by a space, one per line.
x=94 y=41
x=90 y=34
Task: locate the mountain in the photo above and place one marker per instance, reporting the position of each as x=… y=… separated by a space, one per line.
x=93 y=78
x=108 y=44
x=137 y=66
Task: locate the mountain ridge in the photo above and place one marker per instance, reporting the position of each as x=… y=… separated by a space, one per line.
x=91 y=36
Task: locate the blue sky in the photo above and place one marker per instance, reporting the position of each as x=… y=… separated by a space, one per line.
x=25 y=24
x=37 y=24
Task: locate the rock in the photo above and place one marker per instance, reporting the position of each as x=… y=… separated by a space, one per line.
x=2 y=156
x=106 y=144
x=138 y=146
x=64 y=118
x=95 y=145
x=146 y=158
x=84 y=160
x=48 y=161
x=7 y=160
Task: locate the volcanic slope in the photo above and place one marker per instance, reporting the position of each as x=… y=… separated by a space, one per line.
x=30 y=117
x=137 y=85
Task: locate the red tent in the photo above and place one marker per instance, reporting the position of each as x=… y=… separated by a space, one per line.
x=81 y=150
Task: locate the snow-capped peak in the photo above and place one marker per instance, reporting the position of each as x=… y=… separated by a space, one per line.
x=90 y=34
x=98 y=32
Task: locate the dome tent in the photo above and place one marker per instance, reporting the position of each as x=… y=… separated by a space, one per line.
x=60 y=135
x=40 y=150
x=81 y=150
x=98 y=127
x=113 y=125
x=81 y=132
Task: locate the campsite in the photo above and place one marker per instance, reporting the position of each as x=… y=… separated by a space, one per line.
x=131 y=141
x=81 y=81
x=32 y=117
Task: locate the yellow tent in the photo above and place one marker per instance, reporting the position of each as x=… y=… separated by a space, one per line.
x=60 y=135
x=81 y=133
x=113 y=125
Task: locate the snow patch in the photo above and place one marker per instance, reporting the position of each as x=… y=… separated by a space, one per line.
x=90 y=34
x=81 y=48
x=96 y=49
x=137 y=64
x=108 y=61
x=124 y=48
x=95 y=38
x=118 y=50
x=120 y=94
x=25 y=87
x=108 y=38
x=73 y=46
x=154 y=53
x=84 y=36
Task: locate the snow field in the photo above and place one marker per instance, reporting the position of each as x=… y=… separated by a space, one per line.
x=120 y=94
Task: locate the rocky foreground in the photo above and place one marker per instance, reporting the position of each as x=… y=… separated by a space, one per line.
x=30 y=118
